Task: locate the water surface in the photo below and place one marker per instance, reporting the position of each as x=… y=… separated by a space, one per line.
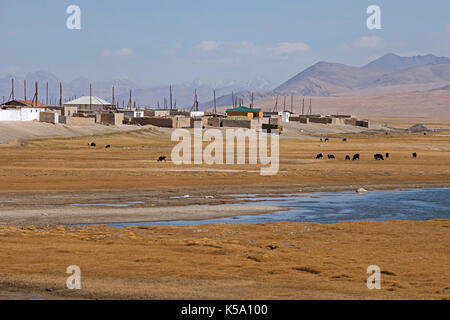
x=331 y=207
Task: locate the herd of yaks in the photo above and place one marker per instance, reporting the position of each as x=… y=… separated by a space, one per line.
x=93 y=144
x=376 y=156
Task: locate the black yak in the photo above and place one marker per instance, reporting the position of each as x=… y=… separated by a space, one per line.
x=331 y=156
x=387 y=155
x=378 y=156
x=108 y=146
x=347 y=157
x=414 y=155
x=319 y=156
x=355 y=156
x=92 y=144
x=162 y=158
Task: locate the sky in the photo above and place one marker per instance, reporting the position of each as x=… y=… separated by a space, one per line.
x=161 y=42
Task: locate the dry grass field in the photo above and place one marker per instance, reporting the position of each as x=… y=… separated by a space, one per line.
x=229 y=261
x=282 y=260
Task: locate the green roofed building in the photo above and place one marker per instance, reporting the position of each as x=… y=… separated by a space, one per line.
x=245 y=112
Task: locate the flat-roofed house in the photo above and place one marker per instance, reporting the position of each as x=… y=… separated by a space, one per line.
x=245 y=112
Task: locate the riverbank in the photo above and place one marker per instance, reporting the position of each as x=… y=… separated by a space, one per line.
x=229 y=261
x=127 y=206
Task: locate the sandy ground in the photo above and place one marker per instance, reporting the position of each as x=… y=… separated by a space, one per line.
x=417 y=104
x=47 y=175
x=83 y=215
x=13 y=130
x=229 y=261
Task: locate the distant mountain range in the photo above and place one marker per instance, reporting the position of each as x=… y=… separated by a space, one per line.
x=183 y=94
x=388 y=74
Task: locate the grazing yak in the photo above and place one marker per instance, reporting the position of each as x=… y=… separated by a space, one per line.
x=387 y=155
x=355 y=156
x=345 y=139
x=331 y=156
x=378 y=156
x=162 y=158
x=108 y=146
x=92 y=144
x=414 y=155
x=326 y=140
x=347 y=157
x=319 y=156
x=321 y=140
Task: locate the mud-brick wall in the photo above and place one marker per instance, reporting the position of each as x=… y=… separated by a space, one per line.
x=303 y=120
x=49 y=117
x=113 y=119
x=77 y=121
x=320 y=120
x=158 y=122
x=214 y=122
x=362 y=123
x=350 y=122
x=237 y=123
x=182 y=122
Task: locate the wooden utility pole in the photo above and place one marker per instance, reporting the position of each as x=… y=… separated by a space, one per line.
x=129 y=101
x=170 y=97
x=90 y=96
x=215 y=110
x=275 y=107
x=284 y=104
x=310 y=106
x=37 y=92
x=292 y=104
x=303 y=107
x=12 y=89
x=46 y=96
x=113 y=96
x=196 y=101
x=232 y=98
x=25 y=90
x=251 y=106
x=60 y=94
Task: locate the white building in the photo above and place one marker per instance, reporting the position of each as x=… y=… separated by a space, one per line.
x=197 y=113
x=20 y=114
x=134 y=113
x=285 y=115
x=89 y=103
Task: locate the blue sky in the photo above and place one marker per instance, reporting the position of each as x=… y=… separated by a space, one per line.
x=158 y=42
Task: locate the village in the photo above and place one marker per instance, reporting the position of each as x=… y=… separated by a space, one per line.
x=90 y=110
